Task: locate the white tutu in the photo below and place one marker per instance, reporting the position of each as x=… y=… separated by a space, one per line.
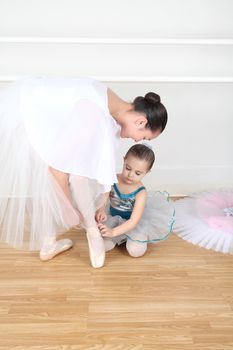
x=156 y=222
x=32 y=205
x=69 y=125
x=206 y=219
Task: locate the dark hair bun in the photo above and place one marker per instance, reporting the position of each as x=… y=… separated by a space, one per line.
x=154 y=110
x=152 y=97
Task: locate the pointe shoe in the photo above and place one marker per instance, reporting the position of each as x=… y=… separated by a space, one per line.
x=55 y=249
x=96 y=247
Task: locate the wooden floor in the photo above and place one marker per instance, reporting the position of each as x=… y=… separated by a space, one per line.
x=176 y=297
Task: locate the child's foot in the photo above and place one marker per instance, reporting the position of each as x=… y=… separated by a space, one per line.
x=108 y=244
x=49 y=252
x=96 y=247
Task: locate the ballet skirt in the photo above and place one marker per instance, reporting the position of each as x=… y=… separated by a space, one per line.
x=59 y=122
x=206 y=219
x=156 y=222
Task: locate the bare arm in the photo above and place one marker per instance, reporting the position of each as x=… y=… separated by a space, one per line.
x=128 y=225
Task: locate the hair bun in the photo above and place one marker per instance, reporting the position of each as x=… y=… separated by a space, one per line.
x=152 y=97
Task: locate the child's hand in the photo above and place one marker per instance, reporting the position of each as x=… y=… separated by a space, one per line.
x=105 y=231
x=100 y=216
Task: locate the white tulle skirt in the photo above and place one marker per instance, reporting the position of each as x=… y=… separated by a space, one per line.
x=156 y=222
x=33 y=207
x=206 y=219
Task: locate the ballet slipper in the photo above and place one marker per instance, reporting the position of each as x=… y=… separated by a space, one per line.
x=58 y=247
x=96 y=247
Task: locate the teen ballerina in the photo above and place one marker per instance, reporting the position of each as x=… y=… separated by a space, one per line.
x=58 y=141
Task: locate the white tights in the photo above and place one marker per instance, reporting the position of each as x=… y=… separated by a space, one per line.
x=85 y=201
x=135 y=249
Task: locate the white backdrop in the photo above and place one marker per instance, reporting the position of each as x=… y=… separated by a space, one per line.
x=181 y=49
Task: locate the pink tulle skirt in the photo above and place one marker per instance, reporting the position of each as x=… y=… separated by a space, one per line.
x=206 y=219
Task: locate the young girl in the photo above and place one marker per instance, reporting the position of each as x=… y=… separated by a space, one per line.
x=135 y=216
x=58 y=139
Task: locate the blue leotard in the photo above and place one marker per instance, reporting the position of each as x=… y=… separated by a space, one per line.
x=122 y=204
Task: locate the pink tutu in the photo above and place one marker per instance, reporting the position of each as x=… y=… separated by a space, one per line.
x=206 y=219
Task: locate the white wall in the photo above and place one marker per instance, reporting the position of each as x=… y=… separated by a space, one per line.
x=182 y=49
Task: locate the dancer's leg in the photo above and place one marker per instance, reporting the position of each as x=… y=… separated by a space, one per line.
x=84 y=200
x=50 y=246
x=63 y=181
x=109 y=244
x=136 y=249
x=112 y=222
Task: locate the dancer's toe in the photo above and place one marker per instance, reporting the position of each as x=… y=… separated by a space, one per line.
x=96 y=247
x=58 y=247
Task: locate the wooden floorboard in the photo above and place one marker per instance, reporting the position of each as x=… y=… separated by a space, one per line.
x=178 y=296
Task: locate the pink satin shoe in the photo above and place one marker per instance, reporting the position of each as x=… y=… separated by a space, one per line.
x=54 y=249
x=96 y=247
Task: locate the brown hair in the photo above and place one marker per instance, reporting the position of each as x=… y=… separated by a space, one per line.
x=141 y=151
